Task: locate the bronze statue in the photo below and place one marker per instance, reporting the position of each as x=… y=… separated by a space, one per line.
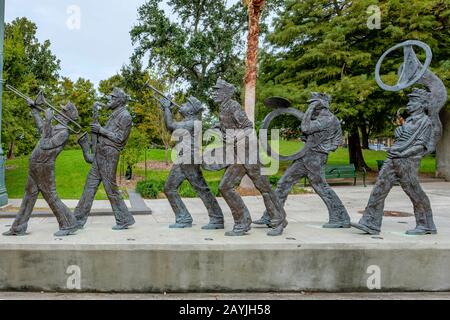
x=191 y=111
x=41 y=176
x=233 y=117
x=108 y=142
x=416 y=138
x=322 y=134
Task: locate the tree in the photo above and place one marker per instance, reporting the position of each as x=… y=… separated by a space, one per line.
x=29 y=66
x=202 y=42
x=254 y=9
x=137 y=142
x=83 y=95
x=256 y=25
x=326 y=45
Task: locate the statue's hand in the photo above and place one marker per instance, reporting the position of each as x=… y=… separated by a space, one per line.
x=31 y=104
x=392 y=153
x=49 y=114
x=96 y=128
x=166 y=103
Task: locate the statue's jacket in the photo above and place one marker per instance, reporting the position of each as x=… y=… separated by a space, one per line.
x=321 y=135
x=233 y=117
x=118 y=127
x=50 y=146
x=417 y=131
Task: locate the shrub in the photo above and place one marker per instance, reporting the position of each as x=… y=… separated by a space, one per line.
x=274 y=180
x=150 y=189
x=186 y=190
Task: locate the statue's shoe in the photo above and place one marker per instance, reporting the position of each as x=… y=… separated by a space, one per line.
x=12 y=233
x=81 y=223
x=214 y=226
x=125 y=226
x=66 y=233
x=239 y=232
x=366 y=229
x=180 y=225
x=235 y=233
x=420 y=232
x=337 y=225
x=262 y=222
x=278 y=231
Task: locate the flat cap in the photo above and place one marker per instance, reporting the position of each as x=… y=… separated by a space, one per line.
x=227 y=87
x=119 y=93
x=196 y=104
x=324 y=98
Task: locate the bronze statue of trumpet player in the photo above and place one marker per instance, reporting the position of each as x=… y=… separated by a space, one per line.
x=191 y=171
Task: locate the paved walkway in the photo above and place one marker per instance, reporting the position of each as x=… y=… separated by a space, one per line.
x=306 y=214
x=136 y=204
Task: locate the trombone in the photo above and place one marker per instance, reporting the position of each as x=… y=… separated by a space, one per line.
x=40 y=100
x=149 y=86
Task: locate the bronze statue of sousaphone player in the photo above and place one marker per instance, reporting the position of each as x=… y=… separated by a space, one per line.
x=415 y=138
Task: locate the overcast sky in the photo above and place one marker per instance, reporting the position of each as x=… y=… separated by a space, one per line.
x=99 y=48
x=101 y=45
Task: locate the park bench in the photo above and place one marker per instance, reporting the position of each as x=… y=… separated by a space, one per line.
x=333 y=172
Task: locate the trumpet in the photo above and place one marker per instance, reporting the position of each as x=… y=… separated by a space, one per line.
x=42 y=101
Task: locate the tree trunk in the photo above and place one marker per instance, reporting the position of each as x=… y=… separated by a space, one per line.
x=355 y=150
x=166 y=153
x=10 y=154
x=365 y=137
x=254 y=15
x=443 y=148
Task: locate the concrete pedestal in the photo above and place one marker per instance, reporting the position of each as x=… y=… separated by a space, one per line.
x=153 y=258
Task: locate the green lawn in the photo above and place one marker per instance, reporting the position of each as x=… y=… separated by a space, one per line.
x=71 y=170
x=71 y=173
x=341 y=157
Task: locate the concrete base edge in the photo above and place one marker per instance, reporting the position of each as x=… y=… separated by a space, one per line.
x=226 y=269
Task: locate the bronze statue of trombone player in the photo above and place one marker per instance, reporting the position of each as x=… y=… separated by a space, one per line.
x=41 y=176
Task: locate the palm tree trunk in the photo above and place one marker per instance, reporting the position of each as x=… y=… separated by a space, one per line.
x=254 y=14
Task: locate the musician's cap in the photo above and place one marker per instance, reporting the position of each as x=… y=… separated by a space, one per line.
x=196 y=104
x=119 y=93
x=71 y=111
x=323 y=98
x=225 y=86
